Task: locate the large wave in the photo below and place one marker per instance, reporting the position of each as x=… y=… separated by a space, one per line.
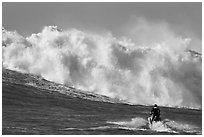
x=160 y=71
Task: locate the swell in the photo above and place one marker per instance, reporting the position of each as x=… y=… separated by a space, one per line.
x=164 y=72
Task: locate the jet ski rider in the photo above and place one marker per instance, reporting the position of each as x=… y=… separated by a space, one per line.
x=155 y=112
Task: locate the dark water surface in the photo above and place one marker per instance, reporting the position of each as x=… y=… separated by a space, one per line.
x=28 y=109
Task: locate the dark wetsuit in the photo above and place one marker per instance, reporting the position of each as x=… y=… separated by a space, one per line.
x=156 y=113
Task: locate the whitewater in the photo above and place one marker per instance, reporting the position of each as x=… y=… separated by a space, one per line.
x=162 y=71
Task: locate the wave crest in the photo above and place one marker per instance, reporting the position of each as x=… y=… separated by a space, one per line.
x=162 y=72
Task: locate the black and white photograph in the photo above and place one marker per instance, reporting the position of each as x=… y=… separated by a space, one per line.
x=101 y=68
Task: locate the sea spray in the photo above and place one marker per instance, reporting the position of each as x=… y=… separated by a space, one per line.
x=159 y=127
x=161 y=72
x=134 y=123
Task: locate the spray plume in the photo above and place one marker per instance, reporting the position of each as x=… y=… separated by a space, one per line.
x=142 y=69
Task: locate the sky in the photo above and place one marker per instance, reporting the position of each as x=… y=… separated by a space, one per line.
x=28 y=18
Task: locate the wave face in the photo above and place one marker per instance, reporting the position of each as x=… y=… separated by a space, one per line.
x=161 y=72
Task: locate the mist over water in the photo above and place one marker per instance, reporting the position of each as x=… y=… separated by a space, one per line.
x=148 y=65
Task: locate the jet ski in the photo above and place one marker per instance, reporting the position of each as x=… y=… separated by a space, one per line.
x=156 y=119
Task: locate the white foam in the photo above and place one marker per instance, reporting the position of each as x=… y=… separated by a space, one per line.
x=159 y=127
x=182 y=126
x=161 y=72
x=135 y=123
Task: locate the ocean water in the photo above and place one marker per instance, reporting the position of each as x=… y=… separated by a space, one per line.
x=33 y=105
x=83 y=82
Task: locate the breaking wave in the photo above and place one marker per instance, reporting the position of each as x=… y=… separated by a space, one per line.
x=161 y=72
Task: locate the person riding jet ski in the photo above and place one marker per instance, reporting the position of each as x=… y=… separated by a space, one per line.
x=155 y=112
